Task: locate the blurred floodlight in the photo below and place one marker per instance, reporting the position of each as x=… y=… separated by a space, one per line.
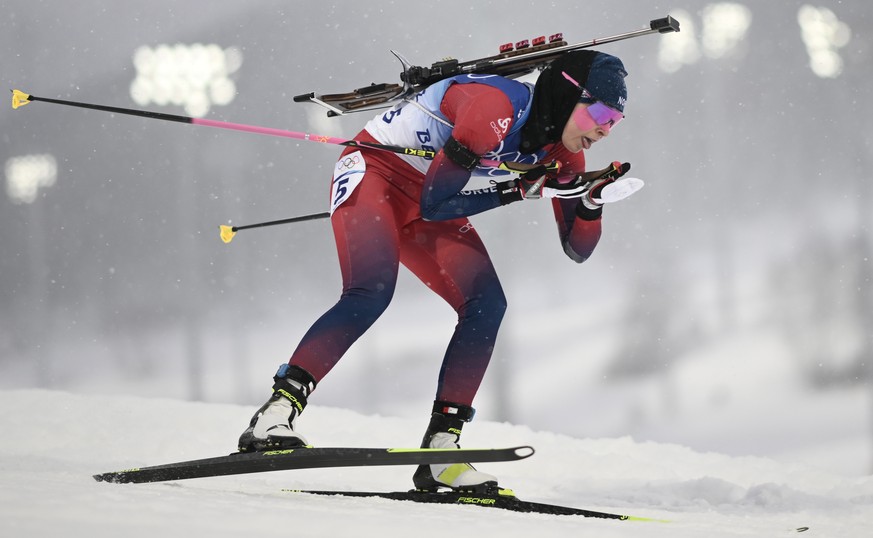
x=26 y=174
x=725 y=25
x=193 y=76
x=680 y=49
x=823 y=33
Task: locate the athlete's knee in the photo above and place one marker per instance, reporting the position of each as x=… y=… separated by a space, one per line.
x=489 y=302
x=371 y=300
x=498 y=303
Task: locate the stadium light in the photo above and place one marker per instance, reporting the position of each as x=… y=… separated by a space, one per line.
x=681 y=49
x=723 y=29
x=823 y=33
x=26 y=174
x=194 y=76
x=725 y=26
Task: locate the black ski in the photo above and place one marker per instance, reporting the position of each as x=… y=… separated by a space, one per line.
x=503 y=499
x=310 y=458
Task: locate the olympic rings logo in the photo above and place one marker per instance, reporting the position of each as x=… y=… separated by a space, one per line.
x=349 y=161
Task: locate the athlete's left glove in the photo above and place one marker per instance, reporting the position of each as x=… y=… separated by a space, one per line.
x=591 y=185
x=592 y=188
x=599 y=187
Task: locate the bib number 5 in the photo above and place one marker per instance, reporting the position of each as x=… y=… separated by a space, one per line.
x=347 y=175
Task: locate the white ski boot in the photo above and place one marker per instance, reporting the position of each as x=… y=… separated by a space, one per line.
x=272 y=426
x=444 y=431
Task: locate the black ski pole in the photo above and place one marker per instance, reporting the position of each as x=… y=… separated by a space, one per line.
x=227 y=232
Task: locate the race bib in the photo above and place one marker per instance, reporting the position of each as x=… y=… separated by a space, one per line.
x=347 y=175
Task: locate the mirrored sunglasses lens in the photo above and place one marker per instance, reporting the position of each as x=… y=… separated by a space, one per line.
x=583 y=119
x=604 y=115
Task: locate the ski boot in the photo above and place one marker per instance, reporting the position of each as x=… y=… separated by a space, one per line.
x=444 y=431
x=272 y=427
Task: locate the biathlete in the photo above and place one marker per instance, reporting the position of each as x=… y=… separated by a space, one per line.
x=389 y=209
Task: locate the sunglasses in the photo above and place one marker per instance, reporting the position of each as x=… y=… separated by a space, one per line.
x=602 y=114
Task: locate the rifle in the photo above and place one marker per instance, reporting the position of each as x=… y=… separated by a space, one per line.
x=514 y=60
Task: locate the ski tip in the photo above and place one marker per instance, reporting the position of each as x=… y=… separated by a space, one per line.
x=523 y=452
x=644 y=519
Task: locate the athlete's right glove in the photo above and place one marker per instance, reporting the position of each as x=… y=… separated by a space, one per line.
x=529 y=184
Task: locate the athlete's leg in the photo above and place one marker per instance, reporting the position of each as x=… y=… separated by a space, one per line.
x=449 y=257
x=367 y=241
x=367 y=245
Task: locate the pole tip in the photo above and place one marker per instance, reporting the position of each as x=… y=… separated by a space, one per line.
x=227 y=233
x=19 y=98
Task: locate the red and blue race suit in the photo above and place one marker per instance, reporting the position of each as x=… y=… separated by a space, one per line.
x=412 y=211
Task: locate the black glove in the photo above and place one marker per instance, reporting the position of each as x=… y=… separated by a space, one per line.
x=530 y=184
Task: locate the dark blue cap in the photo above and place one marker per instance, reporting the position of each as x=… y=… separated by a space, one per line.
x=606 y=81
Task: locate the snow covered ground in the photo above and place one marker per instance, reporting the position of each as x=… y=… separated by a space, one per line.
x=53 y=442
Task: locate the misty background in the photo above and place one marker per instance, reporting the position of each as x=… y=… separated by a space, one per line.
x=728 y=306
